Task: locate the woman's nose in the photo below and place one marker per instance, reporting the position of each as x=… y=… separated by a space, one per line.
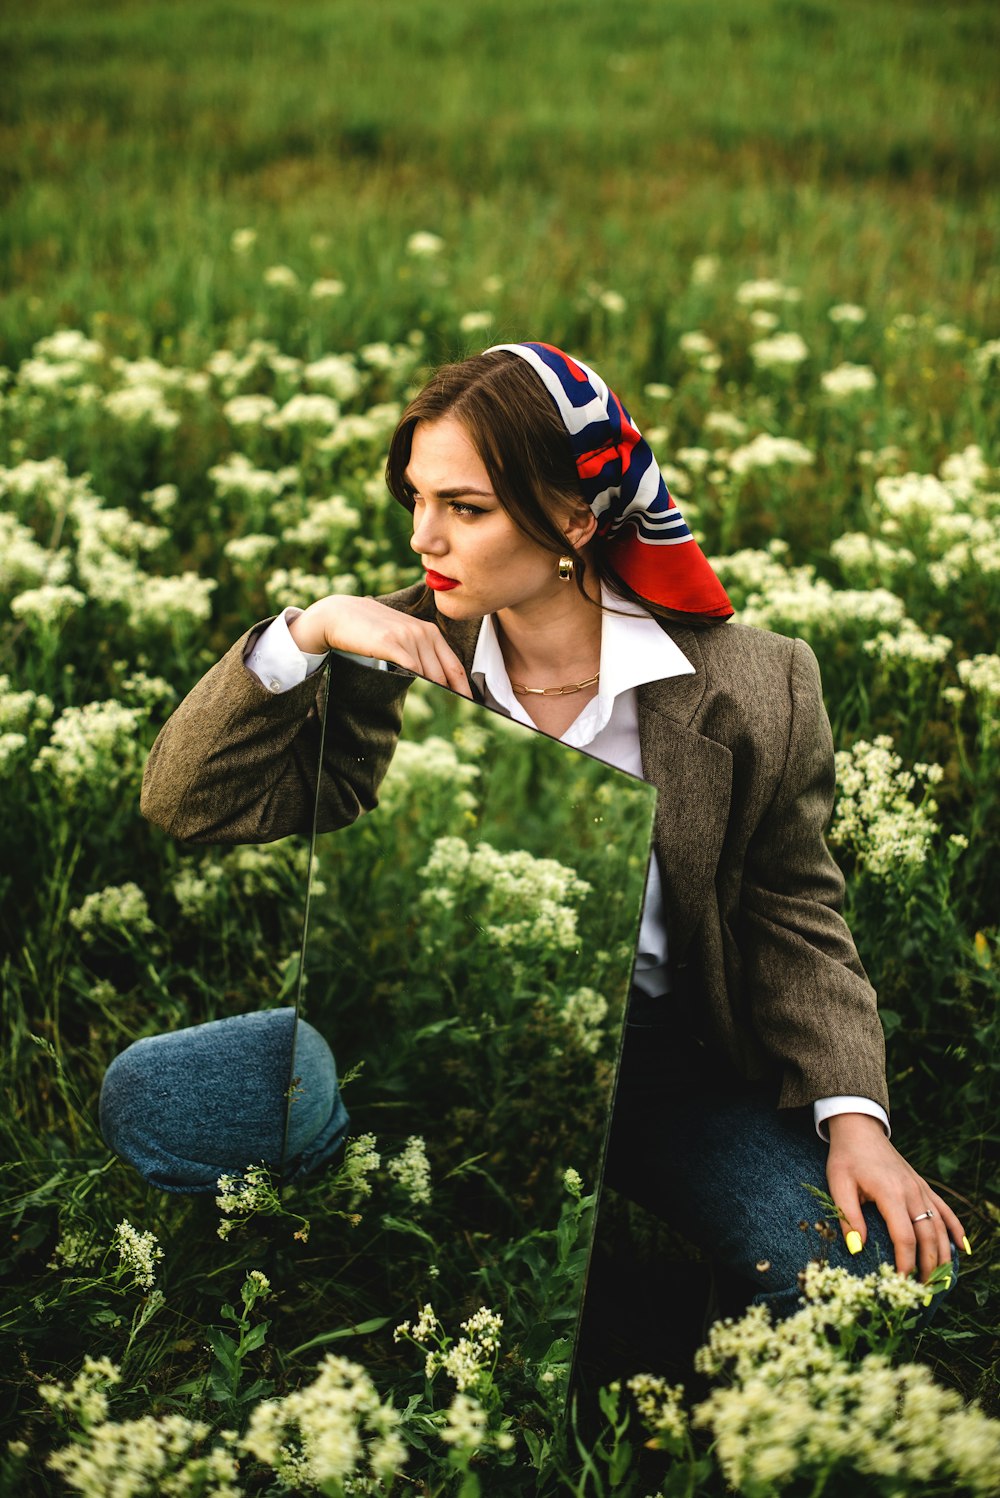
x=426 y=536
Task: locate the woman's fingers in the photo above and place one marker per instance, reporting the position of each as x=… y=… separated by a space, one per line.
x=844 y=1191
x=363 y=626
x=437 y=661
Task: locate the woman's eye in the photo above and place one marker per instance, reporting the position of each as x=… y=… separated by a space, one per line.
x=458 y=508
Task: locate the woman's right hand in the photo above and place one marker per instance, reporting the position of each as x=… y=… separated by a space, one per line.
x=365 y=627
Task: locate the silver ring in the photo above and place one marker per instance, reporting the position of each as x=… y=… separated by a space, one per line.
x=921 y=1215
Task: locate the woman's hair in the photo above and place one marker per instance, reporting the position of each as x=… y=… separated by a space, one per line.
x=516 y=430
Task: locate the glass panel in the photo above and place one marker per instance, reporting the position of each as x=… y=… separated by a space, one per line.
x=470 y=949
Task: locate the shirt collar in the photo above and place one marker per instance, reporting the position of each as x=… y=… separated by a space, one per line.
x=634 y=650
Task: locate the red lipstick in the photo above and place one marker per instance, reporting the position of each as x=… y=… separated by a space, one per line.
x=439 y=582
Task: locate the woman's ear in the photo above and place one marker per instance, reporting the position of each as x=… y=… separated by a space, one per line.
x=580 y=527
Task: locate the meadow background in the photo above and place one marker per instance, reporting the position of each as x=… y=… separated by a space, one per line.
x=231 y=238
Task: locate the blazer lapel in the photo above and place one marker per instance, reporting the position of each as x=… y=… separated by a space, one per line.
x=694 y=779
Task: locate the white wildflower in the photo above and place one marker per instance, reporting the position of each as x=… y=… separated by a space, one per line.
x=584 y=1012
x=86 y=1398
x=573 y=1181
x=782 y=351
x=121 y=908
x=465 y=1424
x=475 y=322
x=249 y=410
x=749 y=292
x=765 y=451
x=724 y=424
x=981 y=675
x=326 y=289
x=242 y=241
x=325 y=523
x=93 y=745
x=411 y=1170
x=328 y=1431
x=847 y=312
x=847 y=380
x=696 y=343
x=304 y=411
x=704 y=269
x=138 y=405
x=282 y=277
x=247 y=552
x=238 y=476
x=423 y=245
x=336 y=375
x=50 y=605
x=909 y=644
x=138 y=1253
x=764 y=320
x=69 y=343
x=875 y=816
x=361 y=1161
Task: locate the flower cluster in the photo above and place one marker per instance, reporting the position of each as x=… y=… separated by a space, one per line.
x=241 y=1197
x=361 y=1161
x=138 y=1253
x=91 y=746
x=332 y=1429
x=134 y=1458
x=411 y=1171
x=795 y=1403
x=520 y=900
x=116 y=908
x=875 y=817
x=469 y=1361
x=585 y=1011
x=86 y=1398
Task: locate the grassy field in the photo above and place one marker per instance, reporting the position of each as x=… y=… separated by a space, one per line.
x=773 y=227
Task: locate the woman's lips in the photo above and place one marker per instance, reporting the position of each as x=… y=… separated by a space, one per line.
x=439 y=582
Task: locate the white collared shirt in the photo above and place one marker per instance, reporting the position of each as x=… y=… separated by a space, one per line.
x=634 y=650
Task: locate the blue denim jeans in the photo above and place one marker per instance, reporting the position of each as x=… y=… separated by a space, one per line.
x=710 y=1154
x=194 y=1104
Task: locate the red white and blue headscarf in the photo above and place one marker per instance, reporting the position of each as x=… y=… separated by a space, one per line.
x=648 y=543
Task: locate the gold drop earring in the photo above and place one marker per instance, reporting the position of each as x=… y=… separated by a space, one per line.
x=565 y=569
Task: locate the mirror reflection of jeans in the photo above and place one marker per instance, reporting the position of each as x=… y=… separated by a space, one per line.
x=209 y=1100
x=710 y=1154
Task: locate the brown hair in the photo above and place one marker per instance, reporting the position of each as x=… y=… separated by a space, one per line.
x=516 y=430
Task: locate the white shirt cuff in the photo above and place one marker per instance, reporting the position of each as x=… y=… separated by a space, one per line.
x=829 y=1107
x=276 y=660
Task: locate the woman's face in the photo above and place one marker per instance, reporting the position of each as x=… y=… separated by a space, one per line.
x=476 y=559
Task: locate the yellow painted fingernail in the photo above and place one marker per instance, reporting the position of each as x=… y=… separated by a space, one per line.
x=967 y=1245
x=928 y=1299
x=853 y=1242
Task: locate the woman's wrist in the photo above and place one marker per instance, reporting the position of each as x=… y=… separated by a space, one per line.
x=311 y=629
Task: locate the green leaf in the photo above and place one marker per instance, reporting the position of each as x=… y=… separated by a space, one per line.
x=361 y=1329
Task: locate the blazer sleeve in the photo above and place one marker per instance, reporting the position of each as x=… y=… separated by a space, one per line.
x=813 y=1007
x=236 y=763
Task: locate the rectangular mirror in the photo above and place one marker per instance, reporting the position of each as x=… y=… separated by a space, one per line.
x=469 y=954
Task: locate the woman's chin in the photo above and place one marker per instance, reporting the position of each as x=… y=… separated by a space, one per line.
x=449 y=602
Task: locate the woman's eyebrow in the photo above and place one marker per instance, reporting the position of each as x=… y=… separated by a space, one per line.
x=455 y=493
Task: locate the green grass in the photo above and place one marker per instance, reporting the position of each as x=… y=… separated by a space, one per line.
x=560 y=151
x=853 y=146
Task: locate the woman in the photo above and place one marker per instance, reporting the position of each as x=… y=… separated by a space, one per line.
x=563 y=587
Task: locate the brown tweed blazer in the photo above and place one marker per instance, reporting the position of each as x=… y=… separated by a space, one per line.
x=742 y=756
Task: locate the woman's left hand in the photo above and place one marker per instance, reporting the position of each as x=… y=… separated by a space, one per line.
x=864 y=1167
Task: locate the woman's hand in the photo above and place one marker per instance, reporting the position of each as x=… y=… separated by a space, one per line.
x=366 y=627
x=864 y=1167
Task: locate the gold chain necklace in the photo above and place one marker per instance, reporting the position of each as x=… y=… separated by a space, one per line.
x=567 y=691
